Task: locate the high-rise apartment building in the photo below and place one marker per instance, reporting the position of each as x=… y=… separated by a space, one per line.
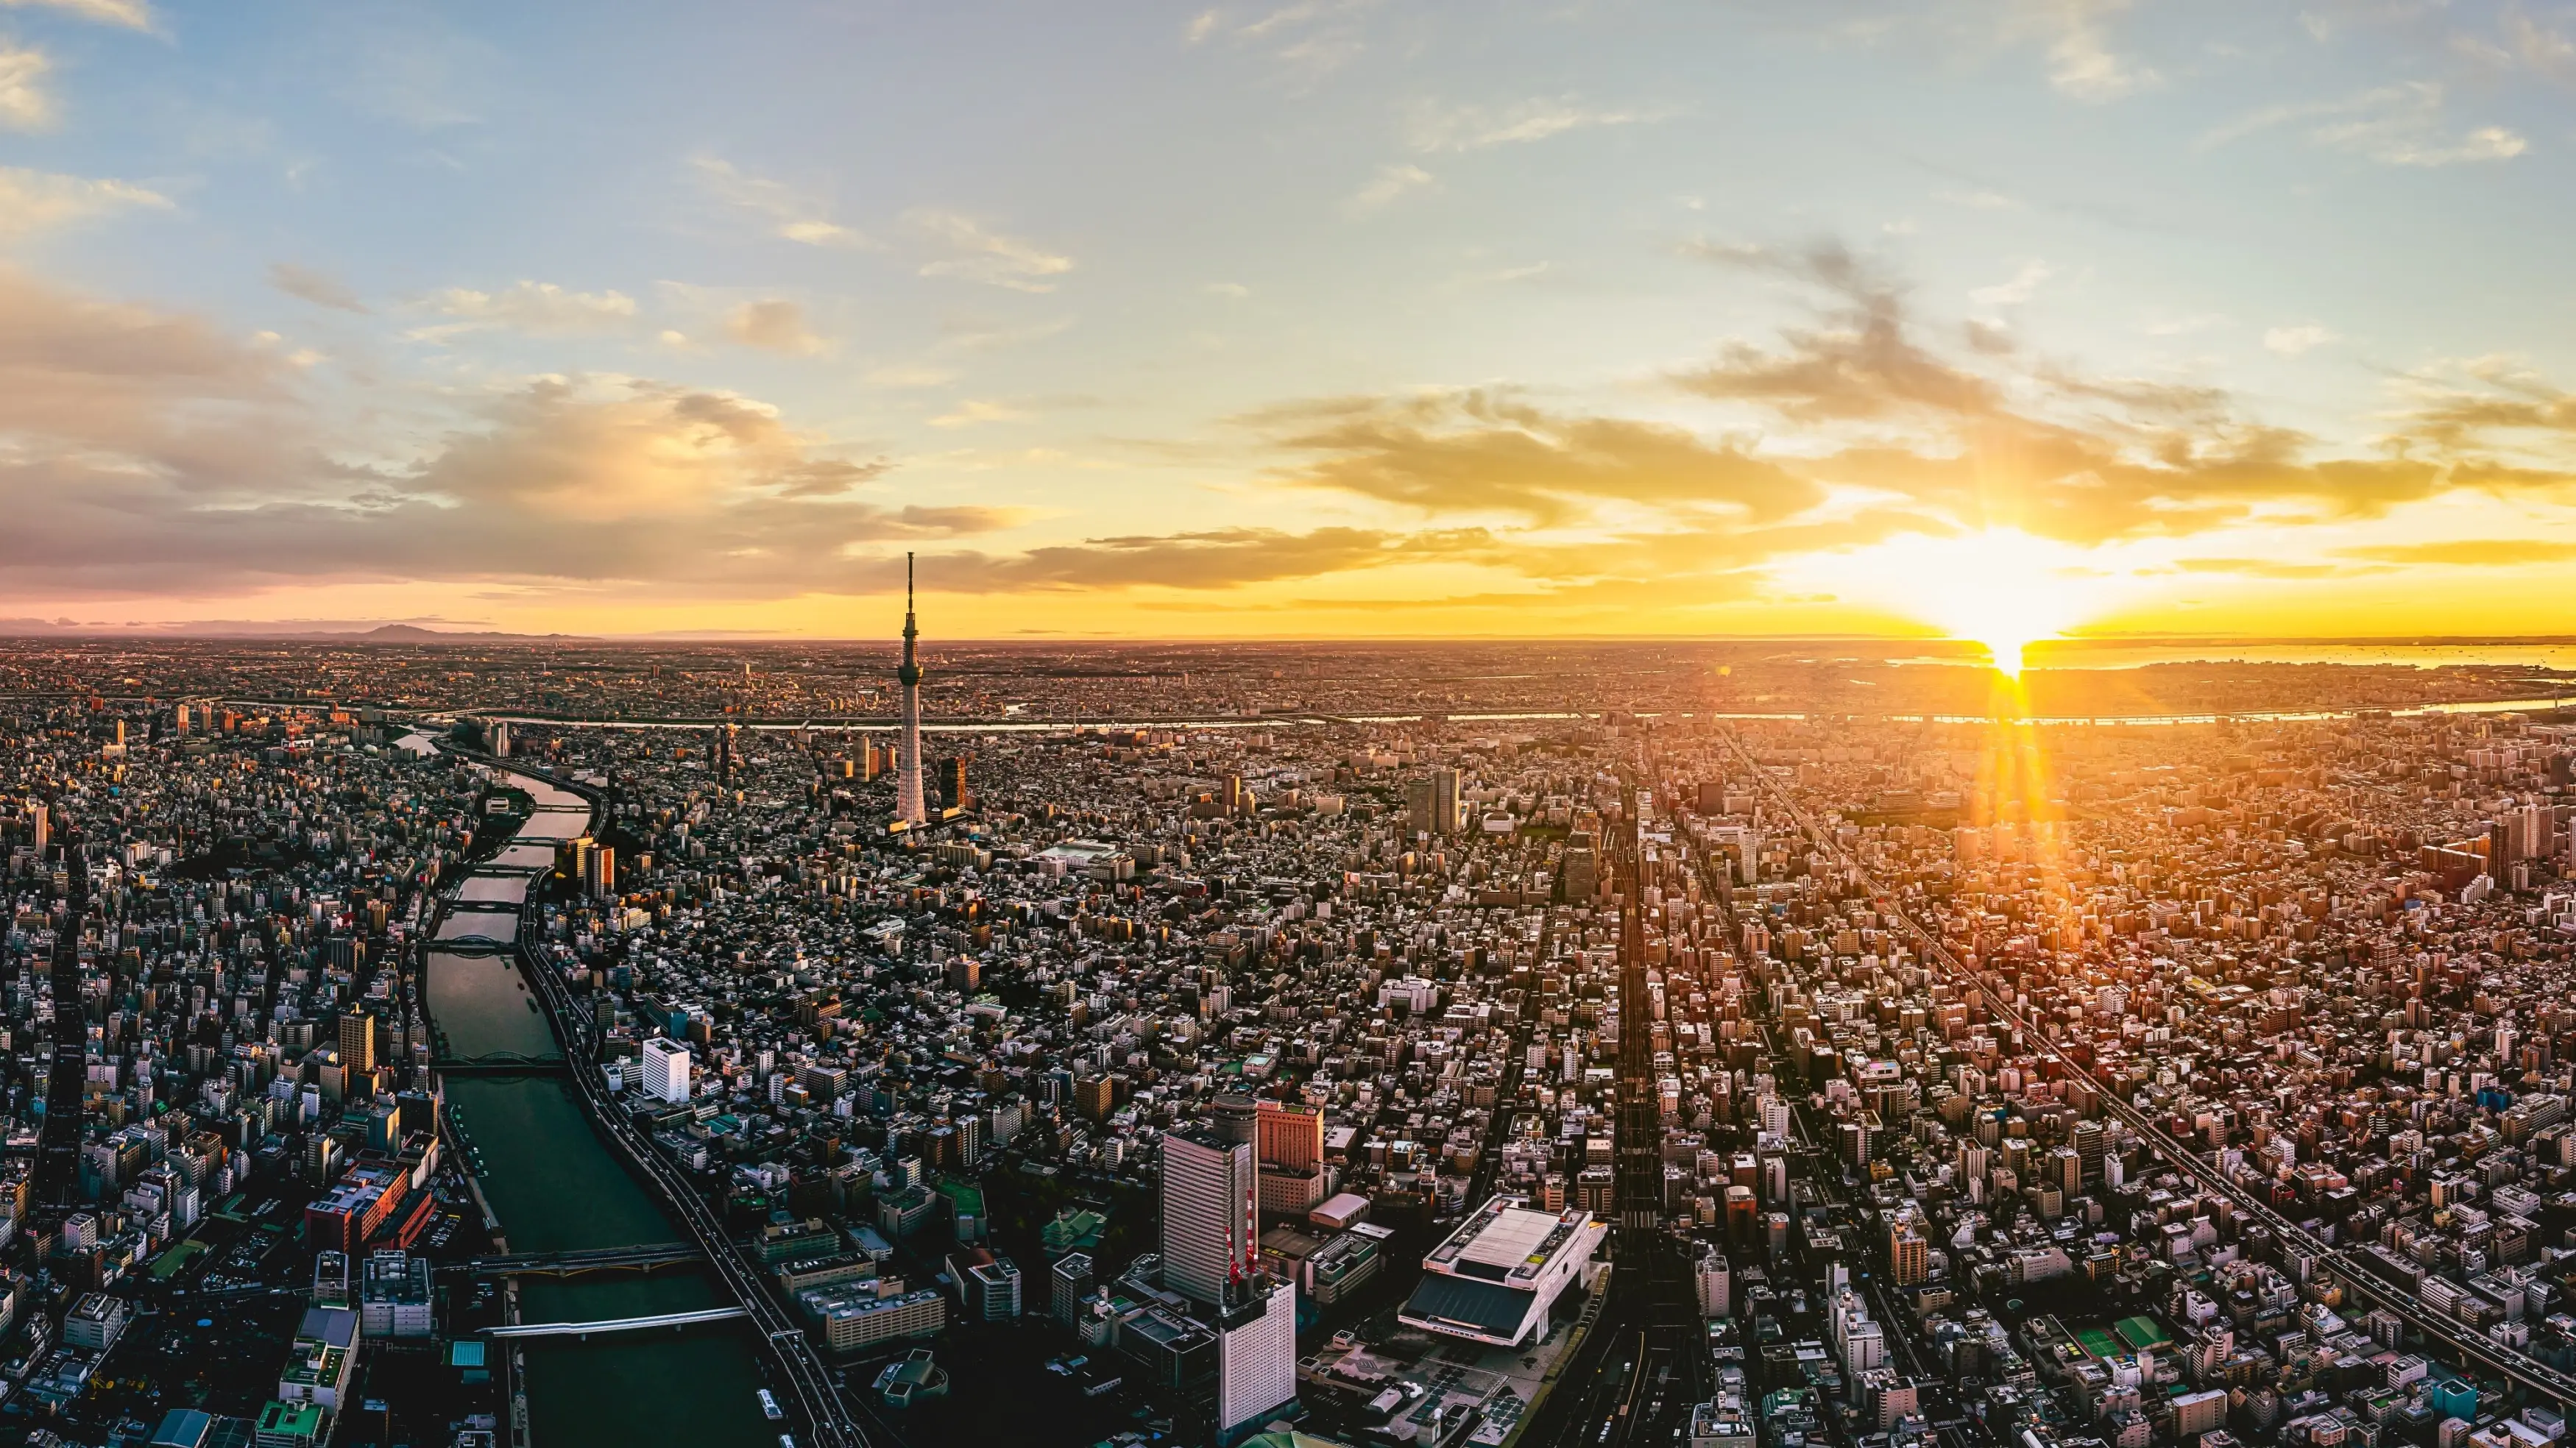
x=1714 y=1279
x=666 y=1069
x=1210 y=1207
x=1909 y=1256
x=1069 y=1282
x=357 y=1042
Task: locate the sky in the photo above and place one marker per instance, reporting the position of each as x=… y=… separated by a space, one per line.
x=1314 y=319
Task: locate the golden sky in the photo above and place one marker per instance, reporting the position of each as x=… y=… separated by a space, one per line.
x=2000 y=319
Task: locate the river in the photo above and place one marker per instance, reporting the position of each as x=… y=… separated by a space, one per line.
x=556 y=1186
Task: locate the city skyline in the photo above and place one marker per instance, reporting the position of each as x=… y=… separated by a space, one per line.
x=1309 y=320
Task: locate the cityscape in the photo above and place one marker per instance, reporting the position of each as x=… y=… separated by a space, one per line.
x=1287 y=724
x=436 y=1073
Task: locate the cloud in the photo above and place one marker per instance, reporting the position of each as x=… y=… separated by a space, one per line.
x=1310 y=39
x=24 y=103
x=2081 y=62
x=152 y=454
x=2399 y=125
x=774 y=326
x=2185 y=325
x=2522 y=41
x=911 y=374
x=2049 y=450
x=2470 y=552
x=320 y=289
x=1437 y=128
x=2261 y=567
x=792 y=214
x=1205 y=560
x=2497 y=408
x=968 y=413
x=2291 y=341
x=1479 y=452
x=34 y=201
x=977 y=255
x=831 y=477
x=132 y=14
x=1980 y=200
x=2024 y=283
x=413 y=65
x=1865 y=364
x=1390 y=182
x=539 y=309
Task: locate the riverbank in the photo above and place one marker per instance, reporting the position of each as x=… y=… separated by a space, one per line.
x=551 y=1184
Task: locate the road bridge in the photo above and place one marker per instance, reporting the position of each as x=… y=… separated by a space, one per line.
x=648 y=1257
x=616 y=1324
x=502 y=1063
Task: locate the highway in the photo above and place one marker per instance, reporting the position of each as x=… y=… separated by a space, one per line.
x=1645 y=1362
x=2365 y=1280
x=57 y=1177
x=800 y=1366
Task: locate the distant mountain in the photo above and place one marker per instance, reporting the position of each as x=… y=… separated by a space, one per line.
x=299 y=631
x=412 y=633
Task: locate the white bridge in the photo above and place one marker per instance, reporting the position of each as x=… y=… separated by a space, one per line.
x=615 y=1324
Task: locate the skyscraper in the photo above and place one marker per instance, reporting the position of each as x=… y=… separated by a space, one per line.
x=1256 y=1370
x=1289 y=1146
x=1289 y=1136
x=358 y=1041
x=1431 y=803
x=1209 y=1212
x=908 y=803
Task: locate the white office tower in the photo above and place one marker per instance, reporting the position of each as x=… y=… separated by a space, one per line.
x=1210 y=1205
x=908 y=800
x=666 y=1069
x=1715 y=1280
x=1256 y=1365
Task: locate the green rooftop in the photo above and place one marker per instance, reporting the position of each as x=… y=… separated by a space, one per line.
x=2141 y=1333
x=285 y=1423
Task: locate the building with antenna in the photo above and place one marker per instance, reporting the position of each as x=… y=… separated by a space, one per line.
x=910 y=807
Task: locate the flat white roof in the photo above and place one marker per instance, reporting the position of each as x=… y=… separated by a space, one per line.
x=1506 y=1241
x=1510 y=1238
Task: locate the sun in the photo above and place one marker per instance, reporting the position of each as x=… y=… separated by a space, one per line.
x=2001 y=588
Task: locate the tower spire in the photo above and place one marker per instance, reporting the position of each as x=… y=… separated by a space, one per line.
x=911 y=802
